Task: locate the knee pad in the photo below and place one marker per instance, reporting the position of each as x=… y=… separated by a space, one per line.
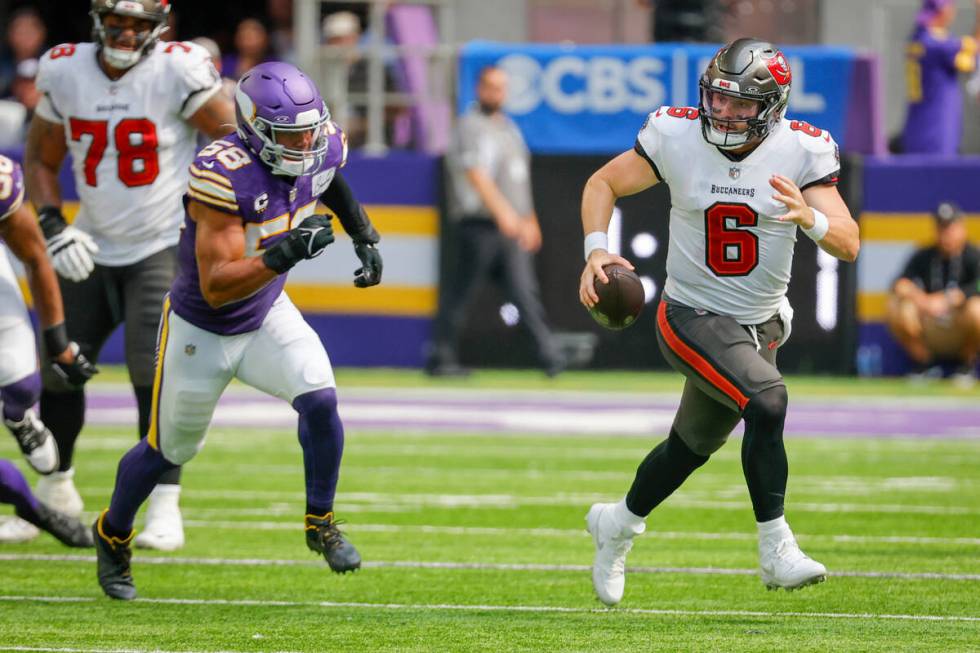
x=193 y=412
x=767 y=407
x=189 y=423
x=318 y=403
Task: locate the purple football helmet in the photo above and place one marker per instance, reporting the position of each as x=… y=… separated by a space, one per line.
x=282 y=118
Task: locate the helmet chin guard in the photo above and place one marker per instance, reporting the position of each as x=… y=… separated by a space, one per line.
x=746 y=69
x=275 y=102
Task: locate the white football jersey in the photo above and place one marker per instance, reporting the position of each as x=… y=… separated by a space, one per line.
x=129 y=140
x=12 y=309
x=727 y=252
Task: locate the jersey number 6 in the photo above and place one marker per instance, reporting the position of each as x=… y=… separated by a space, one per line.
x=136 y=140
x=730 y=251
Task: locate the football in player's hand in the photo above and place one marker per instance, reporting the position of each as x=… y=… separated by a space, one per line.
x=620 y=300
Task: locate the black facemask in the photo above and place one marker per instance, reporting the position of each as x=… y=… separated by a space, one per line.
x=488 y=109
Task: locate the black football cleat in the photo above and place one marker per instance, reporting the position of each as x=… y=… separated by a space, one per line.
x=68 y=530
x=113 y=556
x=323 y=536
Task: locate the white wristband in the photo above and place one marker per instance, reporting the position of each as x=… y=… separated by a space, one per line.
x=820 y=226
x=595 y=240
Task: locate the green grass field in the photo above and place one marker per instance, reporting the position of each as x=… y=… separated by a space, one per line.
x=476 y=541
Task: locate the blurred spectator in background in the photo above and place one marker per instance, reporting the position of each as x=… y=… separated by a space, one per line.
x=496 y=230
x=693 y=21
x=227 y=84
x=16 y=109
x=342 y=29
x=23 y=89
x=934 y=122
x=281 y=29
x=934 y=308
x=26 y=37
x=251 y=49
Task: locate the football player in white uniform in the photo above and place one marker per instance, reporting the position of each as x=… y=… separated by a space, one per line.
x=126 y=106
x=743 y=180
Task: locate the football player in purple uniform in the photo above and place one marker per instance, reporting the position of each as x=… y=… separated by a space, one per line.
x=15 y=491
x=250 y=217
x=20 y=379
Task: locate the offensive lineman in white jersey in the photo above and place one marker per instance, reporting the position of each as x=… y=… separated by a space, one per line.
x=742 y=181
x=127 y=107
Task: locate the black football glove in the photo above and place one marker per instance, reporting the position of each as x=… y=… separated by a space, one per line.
x=304 y=241
x=78 y=371
x=370 y=273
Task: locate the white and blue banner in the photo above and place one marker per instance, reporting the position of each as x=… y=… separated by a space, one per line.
x=592 y=99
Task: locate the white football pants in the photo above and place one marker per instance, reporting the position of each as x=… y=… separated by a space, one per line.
x=283 y=358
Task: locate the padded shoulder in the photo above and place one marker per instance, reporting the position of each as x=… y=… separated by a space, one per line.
x=674 y=121
x=58 y=62
x=813 y=139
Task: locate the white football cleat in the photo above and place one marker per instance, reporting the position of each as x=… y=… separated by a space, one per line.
x=35 y=442
x=164 y=530
x=57 y=491
x=612 y=542
x=783 y=565
x=14 y=530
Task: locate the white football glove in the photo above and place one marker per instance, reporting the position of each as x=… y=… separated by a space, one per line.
x=70 y=251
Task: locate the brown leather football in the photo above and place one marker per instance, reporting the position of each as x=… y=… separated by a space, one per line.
x=620 y=300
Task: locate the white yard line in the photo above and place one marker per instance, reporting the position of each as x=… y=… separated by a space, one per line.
x=481 y=566
x=638 y=397
x=383 y=500
x=561 y=532
x=452 y=607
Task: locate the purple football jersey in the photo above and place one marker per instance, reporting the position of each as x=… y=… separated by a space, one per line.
x=11 y=186
x=934 y=122
x=228 y=177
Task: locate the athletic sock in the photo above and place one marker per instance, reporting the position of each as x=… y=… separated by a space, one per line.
x=321 y=434
x=661 y=472
x=64 y=414
x=20 y=395
x=138 y=473
x=764 y=454
x=15 y=491
x=625 y=517
x=773 y=527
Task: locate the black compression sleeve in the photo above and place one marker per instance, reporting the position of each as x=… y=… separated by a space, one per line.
x=340 y=199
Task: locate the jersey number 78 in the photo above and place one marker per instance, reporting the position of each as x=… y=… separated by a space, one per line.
x=136 y=143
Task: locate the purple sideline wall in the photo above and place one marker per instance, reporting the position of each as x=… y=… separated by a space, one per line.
x=900 y=192
x=400 y=179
